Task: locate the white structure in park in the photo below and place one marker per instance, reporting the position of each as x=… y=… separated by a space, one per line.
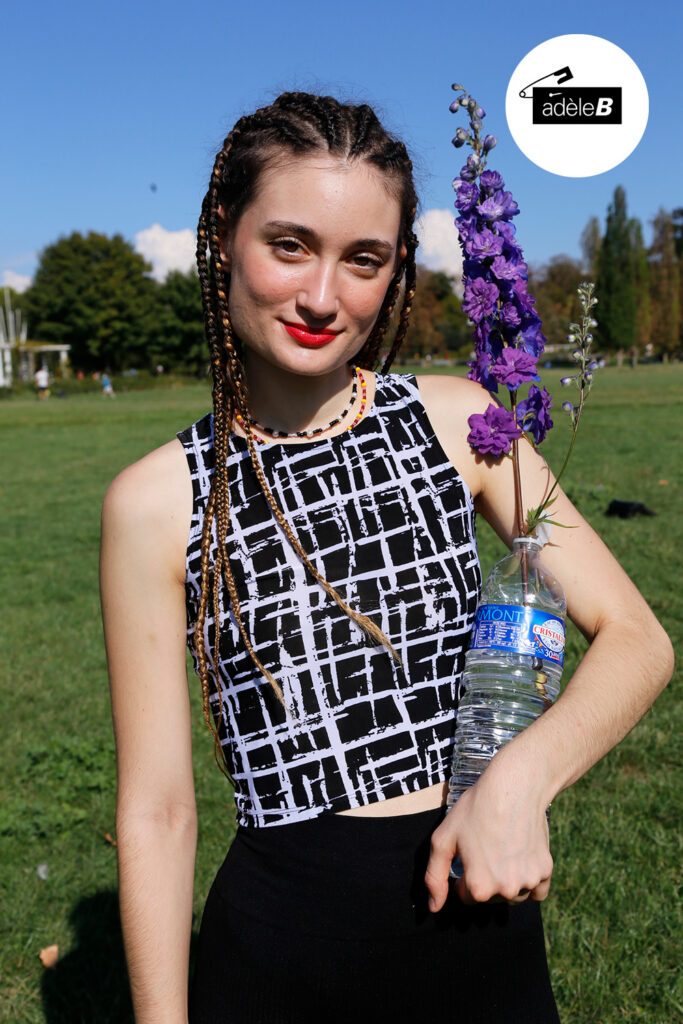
x=13 y=338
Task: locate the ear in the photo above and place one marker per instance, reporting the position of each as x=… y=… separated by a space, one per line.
x=402 y=253
x=224 y=233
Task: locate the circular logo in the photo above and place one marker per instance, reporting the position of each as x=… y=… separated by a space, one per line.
x=551 y=635
x=577 y=105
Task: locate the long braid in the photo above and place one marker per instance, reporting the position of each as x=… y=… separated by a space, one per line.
x=295 y=122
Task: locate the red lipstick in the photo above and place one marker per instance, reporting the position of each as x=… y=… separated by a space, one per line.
x=306 y=336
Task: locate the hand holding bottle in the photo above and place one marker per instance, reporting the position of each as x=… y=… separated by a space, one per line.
x=498 y=828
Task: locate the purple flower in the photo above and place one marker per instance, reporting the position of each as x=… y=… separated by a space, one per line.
x=480 y=370
x=480 y=299
x=491 y=180
x=525 y=301
x=488 y=339
x=494 y=432
x=533 y=415
x=509 y=315
x=530 y=337
x=466 y=226
x=507 y=270
x=484 y=243
x=514 y=367
x=493 y=207
x=510 y=207
x=472 y=269
x=467 y=195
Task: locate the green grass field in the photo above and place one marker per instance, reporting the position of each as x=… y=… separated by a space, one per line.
x=612 y=919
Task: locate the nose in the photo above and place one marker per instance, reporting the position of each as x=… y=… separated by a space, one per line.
x=318 y=294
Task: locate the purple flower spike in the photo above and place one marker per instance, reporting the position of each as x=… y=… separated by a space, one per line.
x=480 y=299
x=514 y=367
x=533 y=415
x=494 y=432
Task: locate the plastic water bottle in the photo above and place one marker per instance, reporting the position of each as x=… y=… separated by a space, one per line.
x=514 y=664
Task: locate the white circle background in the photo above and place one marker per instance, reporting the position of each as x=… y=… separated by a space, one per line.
x=578 y=150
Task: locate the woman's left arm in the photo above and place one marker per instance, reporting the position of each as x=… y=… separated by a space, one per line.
x=499 y=827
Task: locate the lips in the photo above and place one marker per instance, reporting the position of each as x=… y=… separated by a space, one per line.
x=305 y=336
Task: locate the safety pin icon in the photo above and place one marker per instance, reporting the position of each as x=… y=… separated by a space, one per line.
x=563 y=75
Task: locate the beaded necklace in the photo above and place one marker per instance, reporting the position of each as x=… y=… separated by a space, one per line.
x=357 y=378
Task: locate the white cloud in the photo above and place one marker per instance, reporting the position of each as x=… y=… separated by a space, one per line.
x=166 y=250
x=439 y=244
x=20 y=282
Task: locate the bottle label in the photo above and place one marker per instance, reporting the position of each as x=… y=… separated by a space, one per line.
x=523 y=630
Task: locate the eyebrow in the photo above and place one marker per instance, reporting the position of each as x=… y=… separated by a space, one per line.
x=300 y=229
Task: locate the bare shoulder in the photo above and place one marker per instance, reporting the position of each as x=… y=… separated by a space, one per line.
x=149 y=504
x=449 y=401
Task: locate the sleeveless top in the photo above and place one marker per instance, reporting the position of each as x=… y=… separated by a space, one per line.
x=389 y=522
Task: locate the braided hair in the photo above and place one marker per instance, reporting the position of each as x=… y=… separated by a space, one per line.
x=299 y=123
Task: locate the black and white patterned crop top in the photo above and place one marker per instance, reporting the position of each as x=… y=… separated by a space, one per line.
x=390 y=524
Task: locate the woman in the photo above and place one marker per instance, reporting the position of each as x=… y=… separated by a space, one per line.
x=327 y=589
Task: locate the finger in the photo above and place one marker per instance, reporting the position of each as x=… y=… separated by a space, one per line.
x=541 y=891
x=521 y=897
x=438 y=868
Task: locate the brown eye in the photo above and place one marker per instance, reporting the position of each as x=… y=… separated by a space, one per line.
x=291 y=246
x=367 y=262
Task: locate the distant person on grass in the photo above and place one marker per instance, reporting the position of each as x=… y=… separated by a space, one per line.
x=327 y=594
x=107 y=386
x=41 y=379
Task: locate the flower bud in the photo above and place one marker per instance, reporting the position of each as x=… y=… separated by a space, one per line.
x=473 y=161
x=471 y=105
x=456 y=86
x=454 y=107
x=588 y=377
x=476 y=125
x=490 y=142
x=593 y=365
x=480 y=113
x=458 y=142
x=568 y=407
x=577 y=355
x=467 y=174
x=566 y=381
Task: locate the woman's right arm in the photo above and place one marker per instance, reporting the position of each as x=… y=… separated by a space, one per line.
x=145 y=524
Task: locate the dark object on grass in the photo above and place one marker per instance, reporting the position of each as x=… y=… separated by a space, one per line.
x=628 y=509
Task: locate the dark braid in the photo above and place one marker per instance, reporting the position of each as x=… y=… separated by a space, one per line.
x=298 y=123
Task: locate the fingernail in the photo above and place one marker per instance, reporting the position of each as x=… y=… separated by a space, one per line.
x=432 y=904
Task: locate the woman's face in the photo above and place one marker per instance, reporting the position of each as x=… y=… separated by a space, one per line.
x=310 y=260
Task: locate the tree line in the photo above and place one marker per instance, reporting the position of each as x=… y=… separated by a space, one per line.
x=96 y=294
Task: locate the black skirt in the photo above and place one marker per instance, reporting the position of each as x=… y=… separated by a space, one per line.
x=327 y=921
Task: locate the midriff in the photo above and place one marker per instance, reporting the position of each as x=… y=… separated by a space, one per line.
x=407 y=803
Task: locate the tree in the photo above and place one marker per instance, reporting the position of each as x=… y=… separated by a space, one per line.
x=93 y=293
x=182 y=344
x=616 y=278
x=437 y=323
x=641 y=277
x=664 y=285
x=554 y=286
x=591 y=242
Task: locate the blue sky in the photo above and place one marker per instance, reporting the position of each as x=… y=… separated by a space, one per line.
x=102 y=100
